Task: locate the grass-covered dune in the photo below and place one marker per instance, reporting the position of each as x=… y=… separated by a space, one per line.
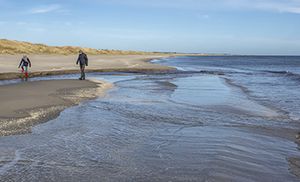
x=12 y=47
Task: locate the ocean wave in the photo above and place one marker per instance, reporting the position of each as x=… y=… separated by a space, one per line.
x=200 y=72
x=180 y=68
x=288 y=74
x=211 y=71
x=156 y=61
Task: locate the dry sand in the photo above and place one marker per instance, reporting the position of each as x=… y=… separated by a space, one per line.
x=51 y=65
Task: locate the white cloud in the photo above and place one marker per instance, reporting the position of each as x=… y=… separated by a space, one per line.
x=36 y=29
x=68 y=23
x=46 y=9
x=21 y=23
x=205 y=16
x=281 y=6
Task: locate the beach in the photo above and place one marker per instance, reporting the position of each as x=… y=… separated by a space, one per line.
x=154 y=91
x=45 y=65
x=29 y=103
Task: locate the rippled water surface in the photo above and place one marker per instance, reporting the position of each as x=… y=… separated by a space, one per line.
x=189 y=126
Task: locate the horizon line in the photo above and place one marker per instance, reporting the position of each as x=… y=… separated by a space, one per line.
x=170 y=52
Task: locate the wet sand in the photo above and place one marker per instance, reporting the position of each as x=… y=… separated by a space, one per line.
x=44 y=65
x=26 y=104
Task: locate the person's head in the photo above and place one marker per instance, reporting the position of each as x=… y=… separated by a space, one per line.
x=80 y=51
x=24 y=56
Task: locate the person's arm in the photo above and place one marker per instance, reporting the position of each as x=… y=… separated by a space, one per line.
x=86 y=60
x=20 y=63
x=78 y=59
x=29 y=62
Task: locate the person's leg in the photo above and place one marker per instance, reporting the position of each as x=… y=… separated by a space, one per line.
x=82 y=72
x=80 y=78
x=26 y=71
x=22 y=75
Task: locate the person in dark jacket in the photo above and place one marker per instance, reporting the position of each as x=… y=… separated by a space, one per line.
x=25 y=62
x=82 y=61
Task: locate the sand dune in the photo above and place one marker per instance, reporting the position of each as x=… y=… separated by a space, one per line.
x=13 y=47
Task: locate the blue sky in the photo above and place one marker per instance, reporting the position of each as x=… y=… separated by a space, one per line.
x=204 y=26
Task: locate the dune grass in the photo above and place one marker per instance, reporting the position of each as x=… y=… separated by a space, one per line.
x=12 y=47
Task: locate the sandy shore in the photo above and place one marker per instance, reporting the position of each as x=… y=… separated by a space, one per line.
x=26 y=104
x=29 y=103
x=43 y=65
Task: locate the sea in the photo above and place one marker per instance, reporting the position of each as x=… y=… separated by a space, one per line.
x=217 y=118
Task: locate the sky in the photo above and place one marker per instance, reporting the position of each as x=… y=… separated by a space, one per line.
x=262 y=27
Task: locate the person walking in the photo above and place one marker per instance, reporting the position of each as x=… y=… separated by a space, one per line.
x=82 y=61
x=25 y=62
